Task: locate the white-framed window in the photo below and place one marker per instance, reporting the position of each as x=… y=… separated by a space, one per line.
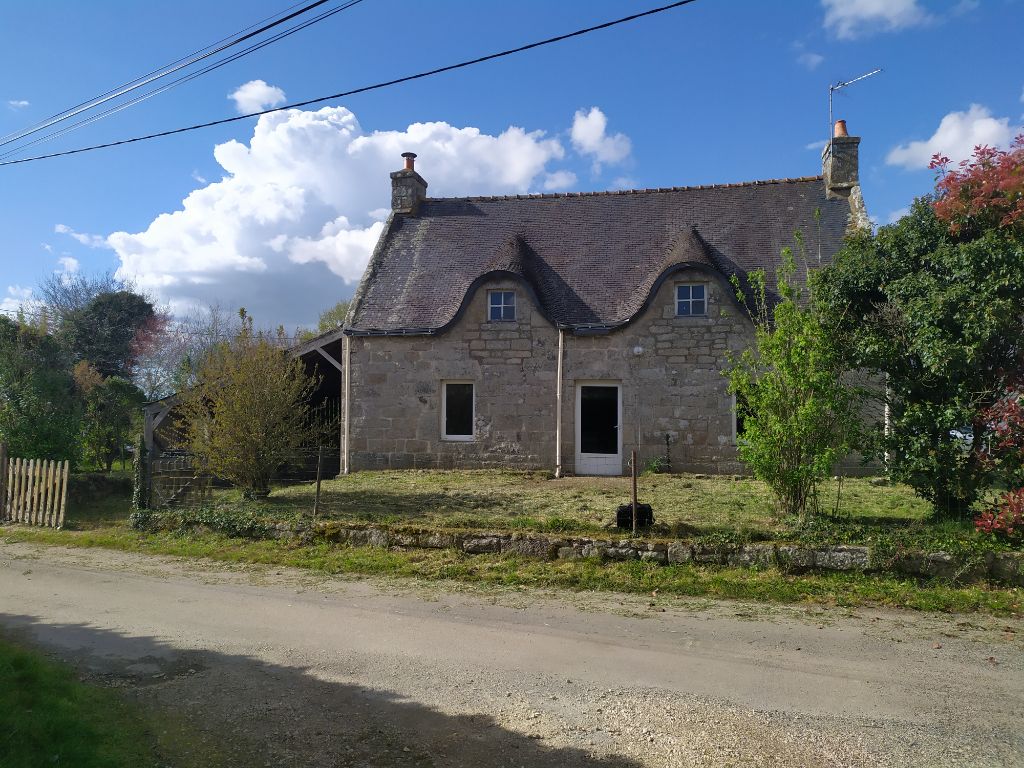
x=501 y=306
x=458 y=410
x=691 y=300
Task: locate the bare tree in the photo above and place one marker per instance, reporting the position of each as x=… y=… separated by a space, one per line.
x=65 y=293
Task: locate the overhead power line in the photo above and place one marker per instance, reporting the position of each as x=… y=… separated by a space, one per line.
x=37 y=315
x=364 y=89
x=157 y=74
x=183 y=79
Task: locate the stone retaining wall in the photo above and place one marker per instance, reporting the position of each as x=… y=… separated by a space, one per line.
x=1004 y=567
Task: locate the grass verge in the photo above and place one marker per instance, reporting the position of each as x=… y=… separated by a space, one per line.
x=769 y=585
x=716 y=509
x=47 y=717
x=536 y=501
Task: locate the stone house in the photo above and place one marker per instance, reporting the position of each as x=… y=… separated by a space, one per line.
x=562 y=331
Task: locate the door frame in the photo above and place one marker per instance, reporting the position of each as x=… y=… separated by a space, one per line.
x=597 y=463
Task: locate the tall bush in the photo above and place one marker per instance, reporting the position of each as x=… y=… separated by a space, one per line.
x=800 y=414
x=246 y=416
x=934 y=303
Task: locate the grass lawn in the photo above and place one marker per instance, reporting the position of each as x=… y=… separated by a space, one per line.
x=505 y=498
x=534 y=501
x=508 y=571
x=47 y=717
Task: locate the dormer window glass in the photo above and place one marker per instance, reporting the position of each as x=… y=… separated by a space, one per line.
x=691 y=300
x=501 y=306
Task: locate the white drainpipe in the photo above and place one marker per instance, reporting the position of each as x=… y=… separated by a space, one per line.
x=558 y=407
x=347 y=355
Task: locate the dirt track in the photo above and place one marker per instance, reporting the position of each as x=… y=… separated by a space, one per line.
x=280 y=668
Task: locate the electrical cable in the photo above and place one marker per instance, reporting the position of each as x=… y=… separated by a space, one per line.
x=183 y=79
x=364 y=89
x=157 y=74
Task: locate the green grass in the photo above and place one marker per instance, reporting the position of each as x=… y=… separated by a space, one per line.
x=49 y=718
x=534 y=500
x=686 y=506
x=890 y=518
x=767 y=585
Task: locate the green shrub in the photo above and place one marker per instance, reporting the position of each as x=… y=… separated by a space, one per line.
x=231 y=521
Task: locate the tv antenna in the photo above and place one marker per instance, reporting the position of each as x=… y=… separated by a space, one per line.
x=838 y=86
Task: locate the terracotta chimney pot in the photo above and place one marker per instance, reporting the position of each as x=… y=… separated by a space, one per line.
x=410 y=160
x=838 y=132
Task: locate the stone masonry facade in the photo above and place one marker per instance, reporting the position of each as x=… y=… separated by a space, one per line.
x=669 y=370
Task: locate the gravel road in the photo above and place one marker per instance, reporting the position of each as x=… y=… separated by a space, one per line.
x=274 y=667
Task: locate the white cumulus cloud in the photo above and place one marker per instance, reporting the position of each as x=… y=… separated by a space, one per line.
x=93 y=241
x=288 y=229
x=18 y=298
x=559 y=180
x=67 y=265
x=849 y=19
x=956 y=137
x=810 y=60
x=590 y=137
x=17 y=103
x=255 y=96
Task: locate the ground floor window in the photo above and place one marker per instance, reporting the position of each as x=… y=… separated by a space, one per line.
x=457 y=405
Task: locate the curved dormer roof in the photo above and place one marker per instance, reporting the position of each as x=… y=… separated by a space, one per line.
x=590 y=259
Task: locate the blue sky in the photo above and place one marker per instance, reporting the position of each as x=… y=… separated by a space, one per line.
x=718 y=91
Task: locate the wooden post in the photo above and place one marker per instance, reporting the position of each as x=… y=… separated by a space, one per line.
x=15 y=508
x=319 y=465
x=47 y=495
x=33 y=486
x=3 y=481
x=63 y=494
x=632 y=462
x=19 y=490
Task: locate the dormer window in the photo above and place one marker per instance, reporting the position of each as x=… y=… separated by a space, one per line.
x=501 y=306
x=691 y=300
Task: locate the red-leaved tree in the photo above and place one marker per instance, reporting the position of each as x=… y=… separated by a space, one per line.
x=983 y=192
x=1005 y=452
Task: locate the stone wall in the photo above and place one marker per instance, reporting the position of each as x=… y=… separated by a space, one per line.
x=668 y=368
x=997 y=567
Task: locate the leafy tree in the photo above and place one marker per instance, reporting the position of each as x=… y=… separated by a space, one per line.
x=982 y=193
x=329 y=320
x=39 y=411
x=1004 y=449
x=1004 y=453
x=800 y=415
x=64 y=293
x=934 y=302
x=246 y=416
x=111 y=411
x=109 y=331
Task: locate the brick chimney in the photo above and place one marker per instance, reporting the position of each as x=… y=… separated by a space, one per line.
x=839 y=162
x=408 y=189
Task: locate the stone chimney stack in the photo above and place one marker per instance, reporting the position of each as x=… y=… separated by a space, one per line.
x=839 y=162
x=408 y=189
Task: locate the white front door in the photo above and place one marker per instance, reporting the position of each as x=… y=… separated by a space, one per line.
x=598 y=428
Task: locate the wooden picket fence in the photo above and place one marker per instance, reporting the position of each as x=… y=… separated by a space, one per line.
x=33 y=491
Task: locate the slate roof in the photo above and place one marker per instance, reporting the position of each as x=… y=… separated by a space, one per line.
x=589 y=259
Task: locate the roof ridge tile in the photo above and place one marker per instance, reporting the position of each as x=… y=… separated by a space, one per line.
x=640 y=191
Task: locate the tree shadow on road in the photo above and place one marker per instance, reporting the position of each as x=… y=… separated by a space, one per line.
x=260 y=713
